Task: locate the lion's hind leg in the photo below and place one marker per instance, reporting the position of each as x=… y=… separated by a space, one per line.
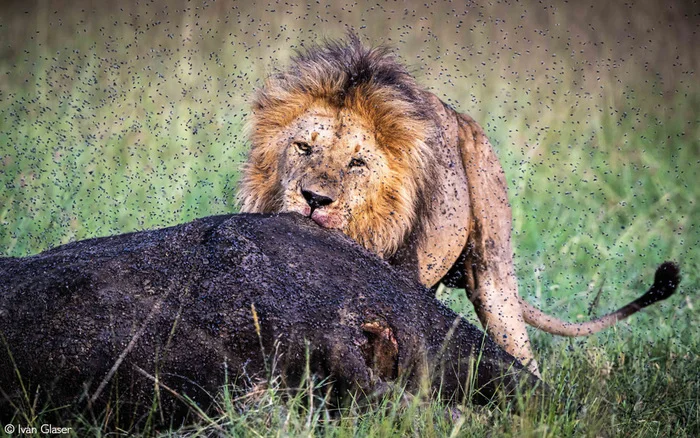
x=489 y=271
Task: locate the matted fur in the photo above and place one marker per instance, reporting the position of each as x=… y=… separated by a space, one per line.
x=371 y=83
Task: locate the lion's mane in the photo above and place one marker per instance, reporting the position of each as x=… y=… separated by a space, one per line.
x=378 y=88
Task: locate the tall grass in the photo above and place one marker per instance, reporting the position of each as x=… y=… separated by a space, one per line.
x=125 y=116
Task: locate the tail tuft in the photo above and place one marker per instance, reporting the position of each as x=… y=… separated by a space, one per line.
x=666 y=280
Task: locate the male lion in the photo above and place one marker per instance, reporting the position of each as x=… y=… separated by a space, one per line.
x=346 y=136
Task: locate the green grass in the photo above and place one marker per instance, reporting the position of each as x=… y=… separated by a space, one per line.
x=118 y=118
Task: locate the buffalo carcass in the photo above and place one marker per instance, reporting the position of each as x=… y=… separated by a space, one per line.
x=195 y=304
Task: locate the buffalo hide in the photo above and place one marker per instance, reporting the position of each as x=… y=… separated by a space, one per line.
x=193 y=305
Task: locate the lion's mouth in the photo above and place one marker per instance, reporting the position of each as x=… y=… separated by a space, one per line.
x=325 y=218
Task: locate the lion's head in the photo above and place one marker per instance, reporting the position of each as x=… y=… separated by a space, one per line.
x=343 y=136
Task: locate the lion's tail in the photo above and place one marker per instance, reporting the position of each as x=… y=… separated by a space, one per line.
x=665 y=282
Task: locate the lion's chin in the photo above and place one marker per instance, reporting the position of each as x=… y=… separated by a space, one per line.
x=323 y=217
x=326 y=219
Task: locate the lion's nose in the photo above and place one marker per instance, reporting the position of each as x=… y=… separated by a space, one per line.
x=315 y=200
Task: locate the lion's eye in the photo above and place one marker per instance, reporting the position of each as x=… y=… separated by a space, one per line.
x=357 y=162
x=303 y=147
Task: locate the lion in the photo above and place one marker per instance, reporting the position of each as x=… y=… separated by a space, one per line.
x=346 y=136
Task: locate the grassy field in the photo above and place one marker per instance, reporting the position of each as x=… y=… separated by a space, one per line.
x=131 y=116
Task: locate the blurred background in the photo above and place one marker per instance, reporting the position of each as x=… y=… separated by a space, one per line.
x=123 y=116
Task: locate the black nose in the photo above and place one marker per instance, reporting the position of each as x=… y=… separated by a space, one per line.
x=315 y=200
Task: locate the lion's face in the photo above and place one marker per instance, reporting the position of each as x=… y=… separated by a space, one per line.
x=331 y=168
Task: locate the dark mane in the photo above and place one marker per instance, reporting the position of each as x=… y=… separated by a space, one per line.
x=351 y=65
